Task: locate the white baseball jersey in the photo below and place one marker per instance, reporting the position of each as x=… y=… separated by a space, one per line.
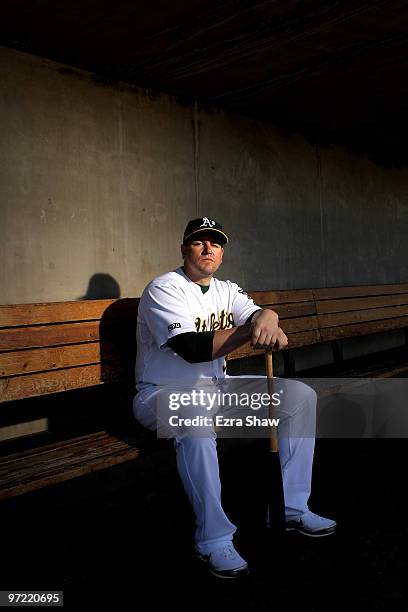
x=173 y=304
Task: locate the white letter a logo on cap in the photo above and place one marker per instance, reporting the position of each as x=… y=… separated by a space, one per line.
x=207 y=222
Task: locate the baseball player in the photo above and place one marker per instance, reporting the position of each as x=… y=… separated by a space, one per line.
x=188 y=321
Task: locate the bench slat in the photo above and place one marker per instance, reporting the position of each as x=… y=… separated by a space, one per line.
x=359 y=316
x=42 y=360
x=48 y=335
x=15 y=363
x=56 y=459
x=281 y=297
x=327 y=306
x=301 y=309
x=65 y=333
x=50 y=461
x=44 y=383
x=58 y=312
x=14 y=457
x=32 y=470
x=290 y=326
x=330 y=293
x=361 y=329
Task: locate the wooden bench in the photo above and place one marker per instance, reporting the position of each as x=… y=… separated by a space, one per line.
x=46 y=349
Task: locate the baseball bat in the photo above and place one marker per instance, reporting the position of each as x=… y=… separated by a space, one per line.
x=275 y=495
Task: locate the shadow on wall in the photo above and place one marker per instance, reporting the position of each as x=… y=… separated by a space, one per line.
x=101 y=287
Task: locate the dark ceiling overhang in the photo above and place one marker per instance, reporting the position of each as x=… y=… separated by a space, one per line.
x=333 y=71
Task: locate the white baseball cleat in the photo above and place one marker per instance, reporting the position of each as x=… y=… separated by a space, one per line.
x=311 y=524
x=225 y=562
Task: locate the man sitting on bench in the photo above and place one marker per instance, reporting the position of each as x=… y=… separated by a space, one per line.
x=187 y=322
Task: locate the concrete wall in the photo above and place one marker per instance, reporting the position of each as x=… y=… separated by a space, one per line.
x=97 y=182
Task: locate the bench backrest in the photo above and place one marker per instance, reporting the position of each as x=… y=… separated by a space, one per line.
x=52 y=347
x=345 y=312
x=310 y=316
x=47 y=348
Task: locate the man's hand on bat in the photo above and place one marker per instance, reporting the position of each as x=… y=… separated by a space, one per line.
x=265 y=332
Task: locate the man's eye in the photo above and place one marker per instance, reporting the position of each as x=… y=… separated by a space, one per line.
x=200 y=243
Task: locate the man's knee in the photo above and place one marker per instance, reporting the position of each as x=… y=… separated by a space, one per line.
x=297 y=397
x=193 y=446
x=309 y=394
x=200 y=438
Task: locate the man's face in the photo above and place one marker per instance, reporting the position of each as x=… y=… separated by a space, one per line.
x=202 y=256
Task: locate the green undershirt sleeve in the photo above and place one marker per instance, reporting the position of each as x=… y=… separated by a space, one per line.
x=192 y=346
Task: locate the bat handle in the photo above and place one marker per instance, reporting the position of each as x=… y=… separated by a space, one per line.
x=269 y=373
x=269 y=364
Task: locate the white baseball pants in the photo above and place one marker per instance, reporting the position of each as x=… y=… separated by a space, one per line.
x=197 y=459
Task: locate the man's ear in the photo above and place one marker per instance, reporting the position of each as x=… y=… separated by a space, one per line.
x=182 y=249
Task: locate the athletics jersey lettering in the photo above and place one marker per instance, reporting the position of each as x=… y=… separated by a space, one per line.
x=224 y=321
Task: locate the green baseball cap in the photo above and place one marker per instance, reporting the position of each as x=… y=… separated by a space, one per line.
x=204 y=225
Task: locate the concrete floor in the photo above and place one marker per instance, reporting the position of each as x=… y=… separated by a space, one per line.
x=133 y=549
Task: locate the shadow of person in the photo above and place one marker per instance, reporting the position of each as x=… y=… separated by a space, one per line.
x=117 y=343
x=343 y=416
x=101 y=286
x=117 y=339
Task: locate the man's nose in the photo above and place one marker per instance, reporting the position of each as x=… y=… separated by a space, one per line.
x=207 y=246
